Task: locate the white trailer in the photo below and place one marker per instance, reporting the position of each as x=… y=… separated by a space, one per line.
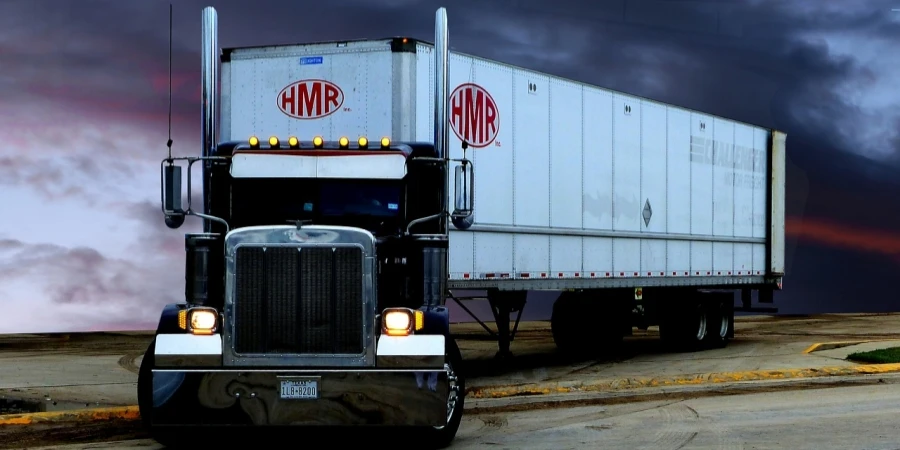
x=633 y=207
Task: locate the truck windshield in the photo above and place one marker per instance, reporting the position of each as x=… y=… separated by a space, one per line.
x=372 y=204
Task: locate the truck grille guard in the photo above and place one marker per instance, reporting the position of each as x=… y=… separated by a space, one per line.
x=299 y=296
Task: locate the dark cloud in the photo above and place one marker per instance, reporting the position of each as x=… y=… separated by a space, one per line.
x=81 y=287
x=56 y=177
x=91 y=290
x=105 y=63
x=748 y=61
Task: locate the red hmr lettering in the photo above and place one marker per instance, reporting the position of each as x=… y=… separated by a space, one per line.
x=310 y=99
x=474 y=116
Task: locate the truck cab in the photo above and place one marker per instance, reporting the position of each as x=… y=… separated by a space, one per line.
x=315 y=295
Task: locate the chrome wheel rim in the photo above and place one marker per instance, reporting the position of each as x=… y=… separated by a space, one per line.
x=452 y=395
x=701 y=326
x=723 y=324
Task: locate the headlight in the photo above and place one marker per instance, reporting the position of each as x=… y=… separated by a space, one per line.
x=401 y=321
x=203 y=321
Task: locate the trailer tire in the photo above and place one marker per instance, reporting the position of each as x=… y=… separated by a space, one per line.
x=581 y=327
x=145 y=400
x=562 y=326
x=686 y=330
x=442 y=437
x=722 y=323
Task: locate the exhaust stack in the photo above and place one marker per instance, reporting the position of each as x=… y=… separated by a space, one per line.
x=209 y=96
x=441 y=94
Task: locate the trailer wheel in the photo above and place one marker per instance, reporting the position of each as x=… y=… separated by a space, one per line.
x=699 y=322
x=145 y=400
x=722 y=321
x=565 y=332
x=687 y=329
x=581 y=327
x=443 y=436
x=571 y=331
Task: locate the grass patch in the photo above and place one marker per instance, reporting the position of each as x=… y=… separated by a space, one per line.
x=883 y=356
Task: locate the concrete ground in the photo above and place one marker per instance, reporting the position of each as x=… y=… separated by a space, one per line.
x=761 y=343
x=100 y=369
x=853 y=416
x=65 y=372
x=834 y=418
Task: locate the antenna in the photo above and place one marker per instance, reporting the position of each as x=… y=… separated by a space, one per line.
x=169 y=142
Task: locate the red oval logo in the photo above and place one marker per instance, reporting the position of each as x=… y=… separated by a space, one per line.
x=310 y=99
x=473 y=115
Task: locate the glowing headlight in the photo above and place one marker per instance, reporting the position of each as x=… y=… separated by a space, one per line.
x=401 y=321
x=203 y=320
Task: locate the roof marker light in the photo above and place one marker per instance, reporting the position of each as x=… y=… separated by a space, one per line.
x=294 y=142
x=273 y=141
x=318 y=141
x=363 y=142
x=254 y=142
x=385 y=142
x=344 y=142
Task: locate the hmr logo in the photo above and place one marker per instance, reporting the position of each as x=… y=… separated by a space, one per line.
x=473 y=115
x=310 y=99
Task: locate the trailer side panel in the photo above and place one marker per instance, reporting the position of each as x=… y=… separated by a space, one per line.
x=311 y=90
x=579 y=186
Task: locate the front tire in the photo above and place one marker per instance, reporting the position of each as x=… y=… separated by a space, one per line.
x=145 y=385
x=443 y=436
x=145 y=399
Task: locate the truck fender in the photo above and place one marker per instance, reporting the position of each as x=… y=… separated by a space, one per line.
x=437 y=320
x=168 y=320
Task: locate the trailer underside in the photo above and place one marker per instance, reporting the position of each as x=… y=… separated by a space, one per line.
x=690 y=318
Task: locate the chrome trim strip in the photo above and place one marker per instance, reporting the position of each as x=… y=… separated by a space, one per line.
x=556 y=231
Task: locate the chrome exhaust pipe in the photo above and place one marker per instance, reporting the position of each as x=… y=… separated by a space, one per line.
x=441 y=99
x=209 y=97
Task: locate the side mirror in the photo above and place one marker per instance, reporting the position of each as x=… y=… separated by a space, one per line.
x=464 y=201
x=172 y=207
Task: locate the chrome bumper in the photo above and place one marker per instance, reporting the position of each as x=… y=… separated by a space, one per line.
x=343 y=398
x=409 y=387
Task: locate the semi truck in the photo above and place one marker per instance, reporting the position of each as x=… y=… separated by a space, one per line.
x=351 y=189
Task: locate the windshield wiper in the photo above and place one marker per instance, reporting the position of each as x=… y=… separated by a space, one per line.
x=300 y=222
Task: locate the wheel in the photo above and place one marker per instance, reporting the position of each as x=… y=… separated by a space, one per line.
x=582 y=327
x=721 y=321
x=698 y=321
x=566 y=333
x=442 y=436
x=145 y=385
x=145 y=399
x=687 y=329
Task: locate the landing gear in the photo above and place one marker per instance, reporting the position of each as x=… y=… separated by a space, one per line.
x=503 y=304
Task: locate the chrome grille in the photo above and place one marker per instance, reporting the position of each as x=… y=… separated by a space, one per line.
x=298 y=300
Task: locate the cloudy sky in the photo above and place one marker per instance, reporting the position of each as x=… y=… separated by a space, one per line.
x=84 y=101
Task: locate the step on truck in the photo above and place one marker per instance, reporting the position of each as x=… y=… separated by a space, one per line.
x=350 y=189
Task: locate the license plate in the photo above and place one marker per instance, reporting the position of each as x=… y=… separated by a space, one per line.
x=300 y=389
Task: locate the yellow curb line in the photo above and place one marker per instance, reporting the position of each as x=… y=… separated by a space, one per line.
x=683 y=380
x=75 y=415
x=833 y=345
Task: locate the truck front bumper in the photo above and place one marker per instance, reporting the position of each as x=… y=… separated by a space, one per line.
x=390 y=396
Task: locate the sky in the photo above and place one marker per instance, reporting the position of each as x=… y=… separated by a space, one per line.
x=84 y=121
